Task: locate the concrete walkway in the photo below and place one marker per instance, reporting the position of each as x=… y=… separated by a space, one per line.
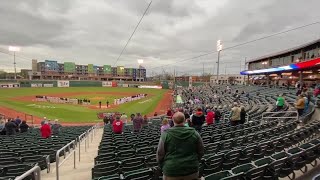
x=83 y=168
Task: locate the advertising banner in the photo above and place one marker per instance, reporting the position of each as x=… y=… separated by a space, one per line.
x=36 y=85
x=69 y=67
x=125 y=85
x=106 y=83
x=10 y=85
x=150 y=87
x=114 y=84
x=47 y=85
x=107 y=69
x=63 y=83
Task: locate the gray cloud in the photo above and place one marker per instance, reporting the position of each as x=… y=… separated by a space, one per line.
x=173 y=30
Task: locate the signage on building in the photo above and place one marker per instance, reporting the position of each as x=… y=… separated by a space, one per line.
x=151 y=87
x=36 y=85
x=47 y=85
x=10 y=85
x=109 y=84
x=63 y=83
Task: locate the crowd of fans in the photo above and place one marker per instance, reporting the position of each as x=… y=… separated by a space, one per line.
x=12 y=126
x=120 y=120
x=49 y=129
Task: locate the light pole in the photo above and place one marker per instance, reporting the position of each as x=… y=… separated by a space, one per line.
x=14 y=49
x=140 y=61
x=219 y=48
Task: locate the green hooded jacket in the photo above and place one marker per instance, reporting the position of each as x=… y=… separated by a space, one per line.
x=179 y=151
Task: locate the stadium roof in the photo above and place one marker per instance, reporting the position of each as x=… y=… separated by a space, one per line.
x=285 y=51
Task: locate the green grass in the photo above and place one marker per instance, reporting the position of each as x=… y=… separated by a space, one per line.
x=77 y=113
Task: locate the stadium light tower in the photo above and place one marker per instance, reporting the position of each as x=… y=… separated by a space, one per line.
x=14 y=49
x=219 y=49
x=140 y=61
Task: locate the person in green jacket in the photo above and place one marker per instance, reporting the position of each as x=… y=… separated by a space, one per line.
x=280 y=102
x=180 y=150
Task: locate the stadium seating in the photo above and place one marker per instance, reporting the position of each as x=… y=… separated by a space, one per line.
x=255 y=150
x=25 y=150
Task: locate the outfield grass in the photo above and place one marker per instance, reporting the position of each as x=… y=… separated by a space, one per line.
x=77 y=113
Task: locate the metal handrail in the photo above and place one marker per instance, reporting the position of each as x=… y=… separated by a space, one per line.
x=36 y=170
x=265 y=118
x=71 y=151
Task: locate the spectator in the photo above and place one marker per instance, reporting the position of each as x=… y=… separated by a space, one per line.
x=49 y=123
x=124 y=119
x=106 y=119
x=2 y=127
x=210 y=117
x=43 y=121
x=132 y=116
x=137 y=123
x=300 y=105
x=56 y=127
x=145 y=120
x=306 y=103
x=18 y=121
x=11 y=127
x=165 y=125
x=117 y=126
x=217 y=114
x=235 y=115
x=24 y=127
x=45 y=130
x=242 y=115
x=155 y=114
x=280 y=102
x=169 y=113
x=198 y=119
x=179 y=151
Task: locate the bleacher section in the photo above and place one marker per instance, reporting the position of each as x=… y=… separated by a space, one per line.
x=251 y=150
x=258 y=149
x=21 y=152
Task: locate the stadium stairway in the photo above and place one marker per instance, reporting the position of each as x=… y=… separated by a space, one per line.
x=83 y=168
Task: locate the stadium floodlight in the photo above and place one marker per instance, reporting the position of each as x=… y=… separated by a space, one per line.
x=14 y=49
x=219 y=49
x=140 y=61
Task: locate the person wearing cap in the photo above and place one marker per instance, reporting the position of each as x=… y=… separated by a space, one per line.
x=300 y=104
x=198 y=119
x=180 y=150
x=235 y=115
x=210 y=117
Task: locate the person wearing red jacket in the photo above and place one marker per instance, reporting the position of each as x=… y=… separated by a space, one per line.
x=45 y=130
x=210 y=117
x=117 y=126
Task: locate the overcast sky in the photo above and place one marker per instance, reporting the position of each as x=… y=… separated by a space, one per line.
x=95 y=31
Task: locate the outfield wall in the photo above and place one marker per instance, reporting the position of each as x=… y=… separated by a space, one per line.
x=67 y=83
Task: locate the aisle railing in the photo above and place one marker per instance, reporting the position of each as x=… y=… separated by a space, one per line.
x=35 y=171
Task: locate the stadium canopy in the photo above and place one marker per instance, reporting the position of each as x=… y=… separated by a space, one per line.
x=292 y=67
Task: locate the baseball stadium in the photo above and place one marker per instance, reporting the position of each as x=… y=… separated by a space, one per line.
x=80 y=100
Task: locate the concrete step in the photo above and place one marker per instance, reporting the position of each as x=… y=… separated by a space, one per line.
x=83 y=168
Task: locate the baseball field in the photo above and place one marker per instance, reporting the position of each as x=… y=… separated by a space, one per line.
x=23 y=101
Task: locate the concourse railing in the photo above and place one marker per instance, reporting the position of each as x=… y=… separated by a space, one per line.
x=35 y=171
